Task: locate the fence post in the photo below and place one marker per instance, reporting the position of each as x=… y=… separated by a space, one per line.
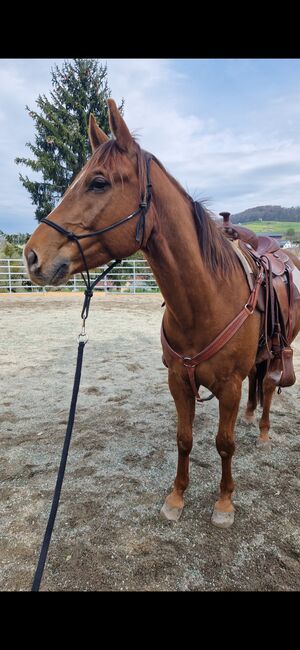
x=134 y=261
x=9 y=275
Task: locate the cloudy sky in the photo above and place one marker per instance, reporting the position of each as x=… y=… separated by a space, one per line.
x=228 y=129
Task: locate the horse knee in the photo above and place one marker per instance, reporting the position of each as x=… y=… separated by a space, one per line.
x=185 y=444
x=225 y=446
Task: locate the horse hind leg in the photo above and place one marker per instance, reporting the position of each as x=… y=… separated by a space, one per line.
x=249 y=415
x=263 y=441
x=260 y=387
x=185 y=405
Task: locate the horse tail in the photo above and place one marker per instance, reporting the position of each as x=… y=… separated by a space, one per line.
x=261 y=370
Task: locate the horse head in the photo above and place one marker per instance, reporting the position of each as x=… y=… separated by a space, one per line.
x=112 y=184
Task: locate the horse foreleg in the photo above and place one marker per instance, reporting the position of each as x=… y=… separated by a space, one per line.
x=263 y=441
x=249 y=416
x=229 y=399
x=185 y=405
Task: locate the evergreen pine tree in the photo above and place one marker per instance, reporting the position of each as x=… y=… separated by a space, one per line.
x=61 y=144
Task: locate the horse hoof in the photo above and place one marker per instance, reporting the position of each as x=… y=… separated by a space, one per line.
x=249 y=419
x=263 y=444
x=222 y=519
x=170 y=514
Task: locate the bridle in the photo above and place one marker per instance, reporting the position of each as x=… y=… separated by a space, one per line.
x=139 y=237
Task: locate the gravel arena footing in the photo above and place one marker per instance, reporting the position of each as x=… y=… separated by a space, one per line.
x=108 y=534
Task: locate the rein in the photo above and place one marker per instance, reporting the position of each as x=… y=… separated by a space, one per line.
x=82 y=340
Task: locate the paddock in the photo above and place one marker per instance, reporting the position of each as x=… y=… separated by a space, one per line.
x=108 y=534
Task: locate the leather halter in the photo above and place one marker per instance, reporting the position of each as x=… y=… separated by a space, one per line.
x=139 y=235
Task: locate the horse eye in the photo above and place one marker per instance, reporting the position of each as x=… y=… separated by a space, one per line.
x=98 y=184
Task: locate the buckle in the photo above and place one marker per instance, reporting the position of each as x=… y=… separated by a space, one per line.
x=249 y=308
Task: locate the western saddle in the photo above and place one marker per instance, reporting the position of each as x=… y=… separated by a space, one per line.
x=276 y=298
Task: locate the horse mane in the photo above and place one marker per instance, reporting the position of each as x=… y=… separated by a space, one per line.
x=216 y=251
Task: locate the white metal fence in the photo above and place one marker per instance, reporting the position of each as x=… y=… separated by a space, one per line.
x=132 y=276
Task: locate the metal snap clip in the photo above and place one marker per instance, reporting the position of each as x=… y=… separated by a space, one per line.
x=82 y=338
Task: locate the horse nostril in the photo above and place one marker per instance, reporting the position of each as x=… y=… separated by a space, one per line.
x=32 y=258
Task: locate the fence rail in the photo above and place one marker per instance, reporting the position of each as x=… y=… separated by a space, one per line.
x=132 y=276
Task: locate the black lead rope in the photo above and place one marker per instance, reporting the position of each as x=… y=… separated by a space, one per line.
x=61 y=472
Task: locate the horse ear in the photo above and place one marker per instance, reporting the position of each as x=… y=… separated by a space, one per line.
x=96 y=135
x=118 y=126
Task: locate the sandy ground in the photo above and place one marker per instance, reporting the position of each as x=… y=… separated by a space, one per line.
x=108 y=534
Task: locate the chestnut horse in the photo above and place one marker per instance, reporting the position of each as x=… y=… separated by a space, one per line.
x=203 y=285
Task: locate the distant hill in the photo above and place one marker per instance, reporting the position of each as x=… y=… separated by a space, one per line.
x=266 y=213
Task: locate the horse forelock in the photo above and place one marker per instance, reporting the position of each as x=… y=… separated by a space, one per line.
x=113 y=159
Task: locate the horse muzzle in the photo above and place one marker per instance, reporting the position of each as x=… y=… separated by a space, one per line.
x=52 y=273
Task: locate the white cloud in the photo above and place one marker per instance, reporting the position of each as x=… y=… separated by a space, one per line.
x=237 y=165
x=200 y=151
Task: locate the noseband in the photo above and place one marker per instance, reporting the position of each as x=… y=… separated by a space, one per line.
x=139 y=236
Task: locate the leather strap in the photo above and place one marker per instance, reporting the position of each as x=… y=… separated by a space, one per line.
x=191 y=362
x=291 y=304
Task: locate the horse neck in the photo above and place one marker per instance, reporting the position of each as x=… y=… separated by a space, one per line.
x=174 y=255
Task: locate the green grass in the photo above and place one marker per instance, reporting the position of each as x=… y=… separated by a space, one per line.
x=279 y=227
